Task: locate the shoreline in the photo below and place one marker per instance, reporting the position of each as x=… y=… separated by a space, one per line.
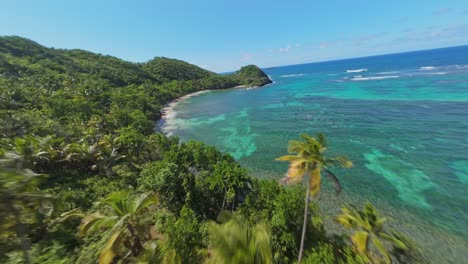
x=168 y=112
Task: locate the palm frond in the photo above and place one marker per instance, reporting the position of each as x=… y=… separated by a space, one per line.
x=144 y=201
x=335 y=181
x=111 y=249
x=360 y=241
x=396 y=241
x=88 y=222
x=341 y=161
x=322 y=140
x=381 y=248
x=93 y=222
x=118 y=201
x=296 y=170
x=347 y=218
x=67 y=215
x=295 y=146
x=262 y=238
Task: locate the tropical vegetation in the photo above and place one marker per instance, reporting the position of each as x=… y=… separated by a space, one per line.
x=310 y=161
x=84 y=177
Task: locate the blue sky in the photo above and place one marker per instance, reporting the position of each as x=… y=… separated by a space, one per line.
x=224 y=35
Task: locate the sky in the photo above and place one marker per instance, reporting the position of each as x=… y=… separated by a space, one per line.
x=223 y=35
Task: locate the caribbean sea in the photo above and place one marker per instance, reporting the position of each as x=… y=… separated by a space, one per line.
x=401 y=118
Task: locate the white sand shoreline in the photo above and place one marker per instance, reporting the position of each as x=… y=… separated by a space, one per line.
x=168 y=112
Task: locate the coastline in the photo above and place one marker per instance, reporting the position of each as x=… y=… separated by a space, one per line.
x=168 y=112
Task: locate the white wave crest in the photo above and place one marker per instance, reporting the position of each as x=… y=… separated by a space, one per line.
x=370 y=78
x=435 y=73
x=461 y=66
x=388 y=72
x=427 y=68
x=357 y=70
x=292 y=75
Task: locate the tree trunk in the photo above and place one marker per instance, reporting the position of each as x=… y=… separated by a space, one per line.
x=137 y=246
x=304 y=225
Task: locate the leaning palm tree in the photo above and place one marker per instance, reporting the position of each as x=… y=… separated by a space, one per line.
x=369 y=229
x=236 y=243
x=121 y=219
x=309 y=161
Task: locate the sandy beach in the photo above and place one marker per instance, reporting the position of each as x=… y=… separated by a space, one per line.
x=168 y=110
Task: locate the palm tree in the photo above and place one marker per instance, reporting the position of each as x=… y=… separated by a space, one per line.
x=369 y=229
x=236 y=243
x=122 y=212
x=310 y=160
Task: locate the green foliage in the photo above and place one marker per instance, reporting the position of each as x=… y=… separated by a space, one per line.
x=237 y=242
x=198 y=176
x=87 y=122
x=309 y=160
x=122 y=216
x=172 y=69
x=325 y=253
x=369 y=230
x=252 y=75
x=283 y=209
x=164 y=178
x=186 y=236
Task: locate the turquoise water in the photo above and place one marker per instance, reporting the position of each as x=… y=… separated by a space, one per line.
x=402 y=119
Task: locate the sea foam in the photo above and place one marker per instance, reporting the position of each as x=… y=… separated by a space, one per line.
x=357 y=70
x=292 y=75
x=370 y=78
x=427 y=68
x=388 y=72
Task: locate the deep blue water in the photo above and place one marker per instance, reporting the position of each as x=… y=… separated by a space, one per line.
x=401 y=118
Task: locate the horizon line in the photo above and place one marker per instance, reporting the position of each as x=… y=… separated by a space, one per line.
x=363 y=57
x=263 y=67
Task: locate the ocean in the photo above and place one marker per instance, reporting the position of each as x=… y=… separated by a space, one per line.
x=401 y=118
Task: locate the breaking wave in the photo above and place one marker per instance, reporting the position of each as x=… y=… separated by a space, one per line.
x=370 y=78
x=357 y=70
x=292 y=75
x=427 y=68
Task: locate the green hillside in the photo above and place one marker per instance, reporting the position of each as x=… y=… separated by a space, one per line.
x=172 y=69
x=84 y=178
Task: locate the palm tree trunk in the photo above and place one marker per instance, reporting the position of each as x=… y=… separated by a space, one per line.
x=304 y=225
x=137 y=245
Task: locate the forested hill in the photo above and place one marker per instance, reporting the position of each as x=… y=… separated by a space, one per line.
x=84 y=178
x=21 y=57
